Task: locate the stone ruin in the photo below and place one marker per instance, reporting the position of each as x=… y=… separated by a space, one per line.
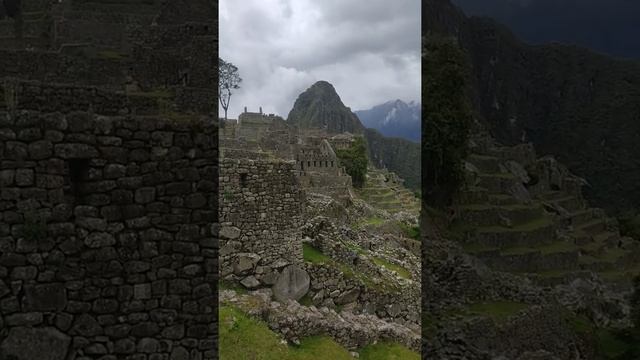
x=274 y=179
x=262 y=136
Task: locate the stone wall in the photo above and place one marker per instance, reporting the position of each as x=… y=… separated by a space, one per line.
x=106 y=237
x=261 y=208
x=51 y=97
x=331 y=287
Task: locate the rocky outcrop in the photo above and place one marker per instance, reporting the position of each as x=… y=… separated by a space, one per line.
x=320 y=107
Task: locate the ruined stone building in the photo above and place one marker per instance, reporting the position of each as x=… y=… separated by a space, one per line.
x=255 y=135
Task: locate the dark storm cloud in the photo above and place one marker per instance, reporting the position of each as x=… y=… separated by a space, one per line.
x=368 y=49
x=608 y=26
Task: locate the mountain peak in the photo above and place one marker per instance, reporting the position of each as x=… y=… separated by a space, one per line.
x=394 y=118
x=320 y=107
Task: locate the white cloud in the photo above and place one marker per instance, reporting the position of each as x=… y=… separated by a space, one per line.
x=368 y=49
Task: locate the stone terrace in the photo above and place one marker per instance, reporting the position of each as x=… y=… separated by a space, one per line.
x=553 y=236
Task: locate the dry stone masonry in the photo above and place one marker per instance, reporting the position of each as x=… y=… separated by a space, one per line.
x=106 y=243
x=261 y=215
x=108 y=168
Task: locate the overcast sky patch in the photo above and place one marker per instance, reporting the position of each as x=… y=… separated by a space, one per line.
x=368 y=49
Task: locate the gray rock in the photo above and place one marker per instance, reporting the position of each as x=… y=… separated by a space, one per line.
x=293 y=283
x=245 y=263
x=270 y=278
x=229 y=232
x=518 y=171
x=45 y=297
x=97 y=240
x=250 y=282
x=348 y=296
x=26 y=343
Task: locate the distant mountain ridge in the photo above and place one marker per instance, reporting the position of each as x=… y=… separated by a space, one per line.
x=570 y=102
x=394 y=118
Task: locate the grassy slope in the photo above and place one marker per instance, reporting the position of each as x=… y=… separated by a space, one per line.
x=243 y=338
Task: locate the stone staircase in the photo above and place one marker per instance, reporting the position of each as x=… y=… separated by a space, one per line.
x=552 y=237
x=382 y=192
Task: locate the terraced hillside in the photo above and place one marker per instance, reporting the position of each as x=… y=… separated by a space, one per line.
x=525 y=215
x=385 y=191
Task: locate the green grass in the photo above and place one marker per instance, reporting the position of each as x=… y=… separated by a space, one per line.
x=313 y=255
x=306 y=300
x=553 y=248
x=498 y=311
x=387 y=351
x=374 y=221
x=242 y=338
x=530 y=226
x=226 y=285
x=609 y=345
x=402 y=272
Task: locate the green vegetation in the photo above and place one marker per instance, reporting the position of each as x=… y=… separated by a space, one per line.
x=111 y=55
x=373 y=221
x=498 y=311
x=354 y=160
x=226 y=285
x=446 y=119
x=387 y=351
x=412 y=232
x=610 y=344
x=242 y=337
x=313 y=255
x=402 y=272
x=630 y=224
x=398 y=155
x=530 y=226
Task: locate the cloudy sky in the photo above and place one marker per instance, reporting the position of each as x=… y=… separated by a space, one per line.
x=368 y=49
x=607 y=26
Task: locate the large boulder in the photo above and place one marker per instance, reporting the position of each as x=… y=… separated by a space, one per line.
x=26 y=343
x=293 y=283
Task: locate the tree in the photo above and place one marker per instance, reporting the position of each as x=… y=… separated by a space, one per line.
x=354 y=159
x=228 y=79
x=446 y=120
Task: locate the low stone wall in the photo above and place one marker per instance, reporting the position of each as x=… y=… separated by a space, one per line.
x=107 y=248
x=331 y=287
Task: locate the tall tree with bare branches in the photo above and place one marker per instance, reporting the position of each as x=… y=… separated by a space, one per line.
x=228 y=80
